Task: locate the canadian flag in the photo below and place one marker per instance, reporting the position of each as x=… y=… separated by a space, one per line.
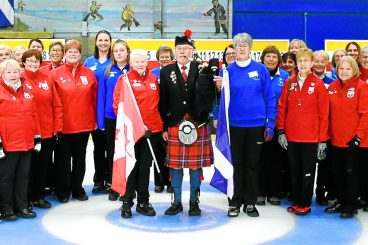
x=129 y=129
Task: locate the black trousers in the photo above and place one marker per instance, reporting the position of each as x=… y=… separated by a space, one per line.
x=14 y=177
x=270 y=181
x=160 y=153
x=39 y=169
x=110 y=127
x=246 y=148
x=138 y=180
x=303 y=159
x=99 y=157
x=325 y=180
x=363 y=173
x=345 y=167
x=70 y=164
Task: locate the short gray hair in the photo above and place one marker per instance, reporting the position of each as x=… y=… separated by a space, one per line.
x=137 y=52
x=364 y=50
x=243 y=38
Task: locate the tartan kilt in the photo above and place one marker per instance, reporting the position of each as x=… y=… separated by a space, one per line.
x=194 y=156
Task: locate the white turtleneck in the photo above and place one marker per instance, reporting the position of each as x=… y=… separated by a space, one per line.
x=301 y=81
x=243 y=63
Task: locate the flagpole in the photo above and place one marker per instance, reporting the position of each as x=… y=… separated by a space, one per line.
x=126 y=80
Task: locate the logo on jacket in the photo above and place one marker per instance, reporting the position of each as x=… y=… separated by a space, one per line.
x=351 y=92
x=281 y=82
x=84 y=80
x=310 y=90
x=29 y=86
x=26 y=94
x=153 y=86
x=43 y=85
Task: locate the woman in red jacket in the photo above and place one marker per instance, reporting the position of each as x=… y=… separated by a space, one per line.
x=348 y=128
x=302 y=122
x=77 y=89
x=19 y=134
x=147 y=94
x=50 y=116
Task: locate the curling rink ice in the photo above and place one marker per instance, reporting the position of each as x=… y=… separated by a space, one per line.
x=98 y=221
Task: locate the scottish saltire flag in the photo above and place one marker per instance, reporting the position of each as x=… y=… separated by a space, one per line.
x=129 y=129
x=222 y=178
x=6 y=13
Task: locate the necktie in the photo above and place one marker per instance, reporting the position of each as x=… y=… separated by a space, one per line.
x=185 y=76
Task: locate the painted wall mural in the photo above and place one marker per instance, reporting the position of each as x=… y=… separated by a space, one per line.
x=135 y=18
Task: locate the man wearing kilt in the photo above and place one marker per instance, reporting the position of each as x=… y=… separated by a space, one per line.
x=186 y=132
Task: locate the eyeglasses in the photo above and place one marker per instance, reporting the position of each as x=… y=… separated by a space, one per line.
x=32 y=61
x=241 y=46
x=230 y=54
x=303 y=61
x=183 y=48
x=56 y=51
x=364 y=57
x=72 y=52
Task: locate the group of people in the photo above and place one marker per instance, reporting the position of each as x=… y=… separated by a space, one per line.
x=55 y=106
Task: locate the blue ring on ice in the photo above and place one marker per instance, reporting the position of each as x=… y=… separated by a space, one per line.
x=211 y=218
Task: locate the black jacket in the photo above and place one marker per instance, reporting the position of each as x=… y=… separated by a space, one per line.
x=178 y=97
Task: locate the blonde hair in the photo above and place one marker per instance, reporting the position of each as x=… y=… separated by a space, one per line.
x=304 y=52
x=6 y=63
x=300 y=43
x=323 y=54
x=353 y=64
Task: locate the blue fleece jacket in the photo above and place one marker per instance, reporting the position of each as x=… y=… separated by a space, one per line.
x=94 y=64
x=106 y=86
x=252 y=101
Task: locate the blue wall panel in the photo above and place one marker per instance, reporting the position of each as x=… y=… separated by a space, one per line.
x=286 y=19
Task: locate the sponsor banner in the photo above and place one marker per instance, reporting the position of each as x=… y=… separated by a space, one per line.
x=206 y=49
x=12 y=43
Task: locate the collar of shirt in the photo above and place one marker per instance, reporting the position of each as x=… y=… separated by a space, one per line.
x=186 y=70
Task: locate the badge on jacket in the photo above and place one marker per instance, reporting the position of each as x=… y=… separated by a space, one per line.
x=84 y=80
x=254 y=75
x=310 y=90
x=351 y=92
x=173 y=76
x=43 y=85
x=153 y=86
x=26 y=94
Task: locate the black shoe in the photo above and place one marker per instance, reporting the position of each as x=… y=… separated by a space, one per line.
x=9 y=216
x=126 y=211
x=261 y=201
x=145 y=209
x=274 y=200
x=194 y=209
x=321 y=200
x=41 y=203
x=25 y=213
x=81 y=197
x=159 y=189
x=348 y=212
x=335 y=208
x=175 y=208
x=233 y=211
x=170 y=189
x=251 y=210
x=98 y=188
x=63 y=199
x=113 y=196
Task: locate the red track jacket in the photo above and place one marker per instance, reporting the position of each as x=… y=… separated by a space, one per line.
x=49 y=110
x=78 y=95
x=348 y=111
x=18 y=118
x=303 y=115
x=147 y=94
